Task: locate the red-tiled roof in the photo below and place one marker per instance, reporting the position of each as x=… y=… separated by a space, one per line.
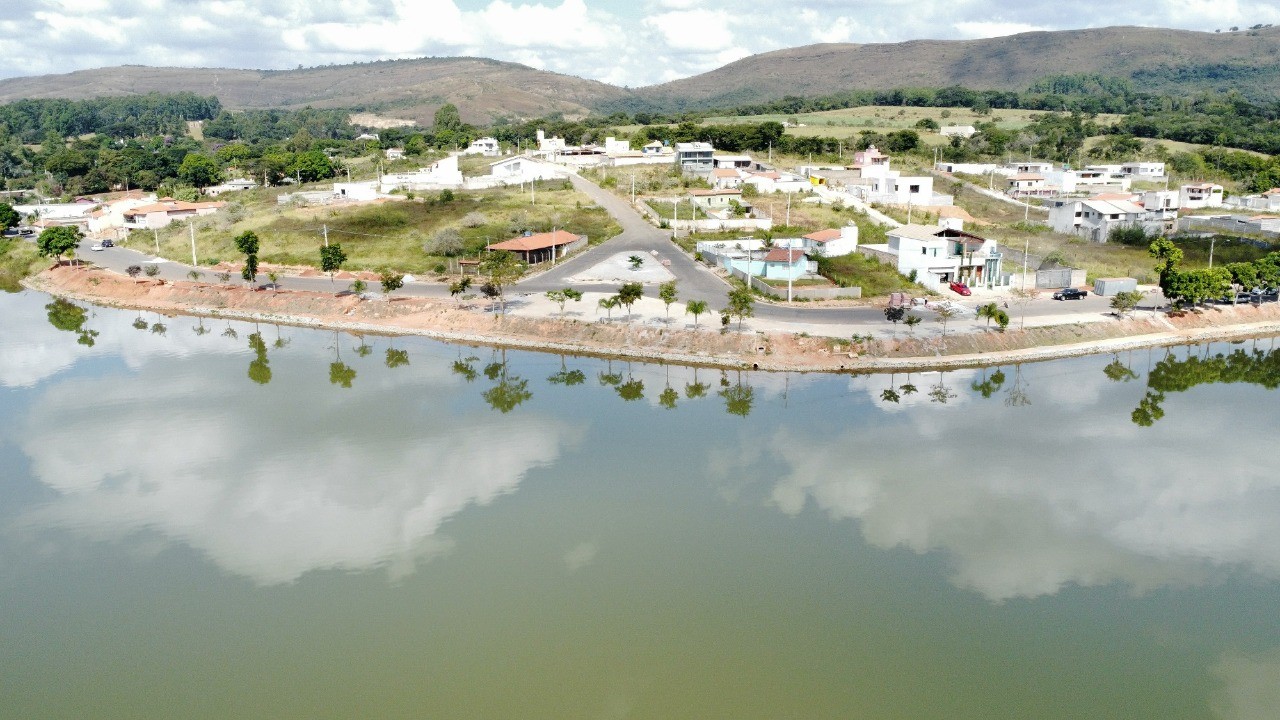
x=824 y=235
x=536 y=242
x=784 y=255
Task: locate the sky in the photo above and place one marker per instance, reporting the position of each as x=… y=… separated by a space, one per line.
x=623 y=42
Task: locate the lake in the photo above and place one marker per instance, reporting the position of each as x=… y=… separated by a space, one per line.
x=212 y=519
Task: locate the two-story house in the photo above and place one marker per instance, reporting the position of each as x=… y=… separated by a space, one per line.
x=936 y=255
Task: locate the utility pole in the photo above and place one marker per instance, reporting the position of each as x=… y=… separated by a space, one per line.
x=192 y=227
x=633 y=190
x=788 y=222
x=326 y=235
x=1212 y=240
x=156 y=233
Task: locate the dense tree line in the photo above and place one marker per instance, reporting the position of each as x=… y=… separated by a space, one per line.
x=32 y=121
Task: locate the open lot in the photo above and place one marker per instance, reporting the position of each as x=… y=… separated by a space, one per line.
x=381 y=234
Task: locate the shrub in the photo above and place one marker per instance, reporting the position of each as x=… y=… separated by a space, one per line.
x=474 y=220
x=446 y=241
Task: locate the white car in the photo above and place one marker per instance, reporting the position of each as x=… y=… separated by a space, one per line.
x=97 y=248
x=954 y=307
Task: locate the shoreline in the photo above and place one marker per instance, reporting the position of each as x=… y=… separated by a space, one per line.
x=770 y=351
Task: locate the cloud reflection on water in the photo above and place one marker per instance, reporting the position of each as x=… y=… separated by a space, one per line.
x=273 y=482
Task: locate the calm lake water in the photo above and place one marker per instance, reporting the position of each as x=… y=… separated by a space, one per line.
x=203 y=519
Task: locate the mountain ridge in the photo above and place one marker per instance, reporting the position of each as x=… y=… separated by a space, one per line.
x=1158 y=60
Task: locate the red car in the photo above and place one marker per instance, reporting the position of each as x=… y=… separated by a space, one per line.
x=960 y=288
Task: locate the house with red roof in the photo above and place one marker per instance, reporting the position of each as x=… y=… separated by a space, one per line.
x=542 y=247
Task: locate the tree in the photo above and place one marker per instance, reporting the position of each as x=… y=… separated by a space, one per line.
x=259 y=367
x=895 y=313
x=560 y=297
x=9 y=217
x=1168 y=256
x=312 y=166
x=696 y=308
x=741 y=304
x=609 y=303
x=636 y=261
x=391 y=281
x=668 y=294
x=1124 y=302
x=152 y=271
x=194 y=275
x=990 y=311
x=133 y=271
x=738 y=399
x=502 y=268
x=341 y=374
x=445 y=241
x=944 y=314
x=628 y=294
x=331 y=259
x=247 y=243
x=58 y=241
x=447 y=118
x=912 y=321
x=458 y=287
x=199 y=171
x=395 y=358
x=358 y=287
x=1022 y=297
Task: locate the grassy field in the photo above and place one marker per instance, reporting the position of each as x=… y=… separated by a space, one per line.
x=672 y=211
x=874 y=277
x=17 y=259
x=389 y=234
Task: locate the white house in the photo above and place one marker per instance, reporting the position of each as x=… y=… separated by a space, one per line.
x=774 y=181
x=830 y=243
x=356 y=191
x=394 y=153
x=1025 y=184
x=1200 y=195
x=441 y=175
x=522 y=169
x=1144 y=170
x=614 y=146
x=653 y=148
x=724 y=178
x=732 y=162
x=165 y=211
x=485 y=146
x=550 y=145
x=1094 y=219
x=961 y=131
x=236 y=185
x=936 y=256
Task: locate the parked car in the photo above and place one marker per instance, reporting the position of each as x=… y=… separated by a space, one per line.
x=1070 y=294
x=960 y=288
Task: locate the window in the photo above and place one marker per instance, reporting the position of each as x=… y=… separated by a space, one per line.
x=924 y=250
x=915 y=188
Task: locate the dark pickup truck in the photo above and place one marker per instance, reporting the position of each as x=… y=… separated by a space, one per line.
x=1070 y=294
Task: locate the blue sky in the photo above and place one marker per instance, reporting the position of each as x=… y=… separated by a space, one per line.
x=637 y=42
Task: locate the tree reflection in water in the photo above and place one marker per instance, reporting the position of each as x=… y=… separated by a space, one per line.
x=1171 y=375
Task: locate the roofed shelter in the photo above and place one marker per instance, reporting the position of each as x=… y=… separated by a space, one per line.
x=542 y=247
